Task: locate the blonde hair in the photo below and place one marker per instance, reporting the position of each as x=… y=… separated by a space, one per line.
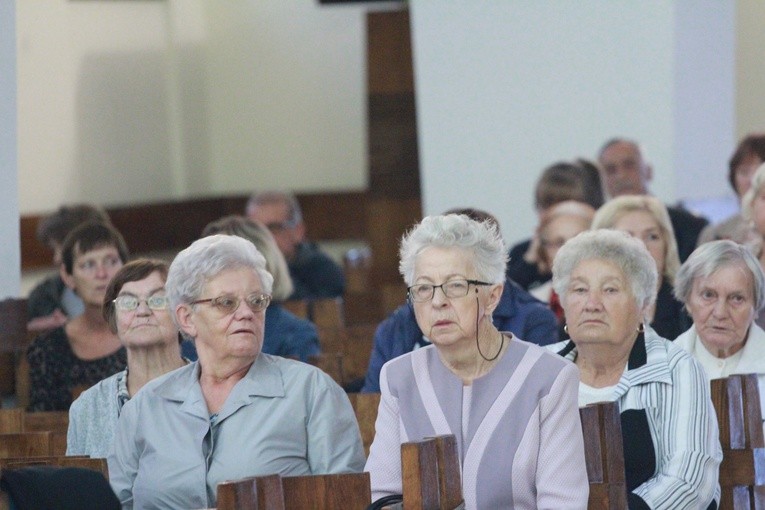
x=747 y=203
x=615 y=209
x=260 y=236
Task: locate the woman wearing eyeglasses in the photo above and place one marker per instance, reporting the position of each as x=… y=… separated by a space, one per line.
x=237 y=412
x=511 y=405
x=135 y=307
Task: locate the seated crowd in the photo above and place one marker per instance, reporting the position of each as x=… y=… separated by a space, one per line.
x=194 y=372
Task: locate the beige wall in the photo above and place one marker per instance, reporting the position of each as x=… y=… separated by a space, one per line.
x=129 y=102
x=750 y=67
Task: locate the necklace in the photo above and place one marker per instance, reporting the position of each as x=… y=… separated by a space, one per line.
x=501 y=345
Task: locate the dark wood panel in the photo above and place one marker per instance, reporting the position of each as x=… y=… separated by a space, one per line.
x=389 y=52
x=173 y=225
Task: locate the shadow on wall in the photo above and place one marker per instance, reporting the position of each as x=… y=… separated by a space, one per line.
x=129 y=126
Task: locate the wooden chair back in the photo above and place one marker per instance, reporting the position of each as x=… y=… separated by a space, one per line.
x=327 y=312
x=255 y=493
x=54 y=421
x=742 y=473
x=82 y=461
x=431 y=474
x=25 y=444
x=365 y=407
x=309 y=492
x=13 y=340
x=604 y=456
x=327 y=492
x=357 y=264
x=11 y=420
x=357 y=349
x=298 y=307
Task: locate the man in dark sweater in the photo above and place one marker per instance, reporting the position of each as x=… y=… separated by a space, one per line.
x=626 y=172
x=314 y=274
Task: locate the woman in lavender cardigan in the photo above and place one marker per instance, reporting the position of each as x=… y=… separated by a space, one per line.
x=511 y=405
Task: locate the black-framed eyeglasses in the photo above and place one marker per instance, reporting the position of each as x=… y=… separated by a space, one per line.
x=423 y=292
x=128 y=303
x=228 y=303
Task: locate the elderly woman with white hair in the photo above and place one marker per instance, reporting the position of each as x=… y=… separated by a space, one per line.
x=646 y=218
x=237 y=412
x=511 y=405
x=607 y=282
x=722 y=286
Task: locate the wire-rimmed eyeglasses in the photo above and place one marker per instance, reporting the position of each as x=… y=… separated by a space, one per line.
x=423 y=292
x=128 y=303
x=228 y=303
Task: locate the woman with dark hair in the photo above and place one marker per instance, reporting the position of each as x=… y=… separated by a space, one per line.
x=135 y=307
x=84 y=350
x=749 y=154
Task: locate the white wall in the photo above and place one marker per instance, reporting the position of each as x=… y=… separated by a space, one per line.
x=506 y=88
x=9 y=210
x=130 y=102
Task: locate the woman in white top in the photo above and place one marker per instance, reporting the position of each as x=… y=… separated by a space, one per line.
x=722 y=286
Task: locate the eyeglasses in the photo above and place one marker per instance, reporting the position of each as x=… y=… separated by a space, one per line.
x=227 y=304
x=452 y=289
x=128 y=303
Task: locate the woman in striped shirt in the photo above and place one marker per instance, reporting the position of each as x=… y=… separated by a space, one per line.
x=606 y=281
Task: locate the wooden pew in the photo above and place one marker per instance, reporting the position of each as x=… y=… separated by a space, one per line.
x=11 y=421
x=431 y=474
x=54 y=421
x=255 y=493
x=742 y=473
x=310 y=492
x=604 y=456
x=25 y=444
x=82 y=461
x=365 y=407
x=13 y=341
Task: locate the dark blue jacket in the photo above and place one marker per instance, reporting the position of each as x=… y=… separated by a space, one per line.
x=518 y=312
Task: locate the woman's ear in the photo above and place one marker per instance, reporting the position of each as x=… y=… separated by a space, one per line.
x=495 y=293
x=66 y=277
x=184 y=316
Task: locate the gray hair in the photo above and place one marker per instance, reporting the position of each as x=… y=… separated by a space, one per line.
x=205 y=259
x=627 y=253
x=711 y=257
x=481 y=239
x=294 y=213
x=260 y=236
x=747 y=203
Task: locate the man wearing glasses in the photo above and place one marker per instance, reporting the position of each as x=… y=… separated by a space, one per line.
x=314 y=274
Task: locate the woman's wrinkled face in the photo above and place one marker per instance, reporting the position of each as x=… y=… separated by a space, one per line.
x=643 y=225
x=599 y=304
x=445 y=321
x=91 y=273
x=218 y=334
x=559 y=230
x=144 y=326
x=722 y=307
